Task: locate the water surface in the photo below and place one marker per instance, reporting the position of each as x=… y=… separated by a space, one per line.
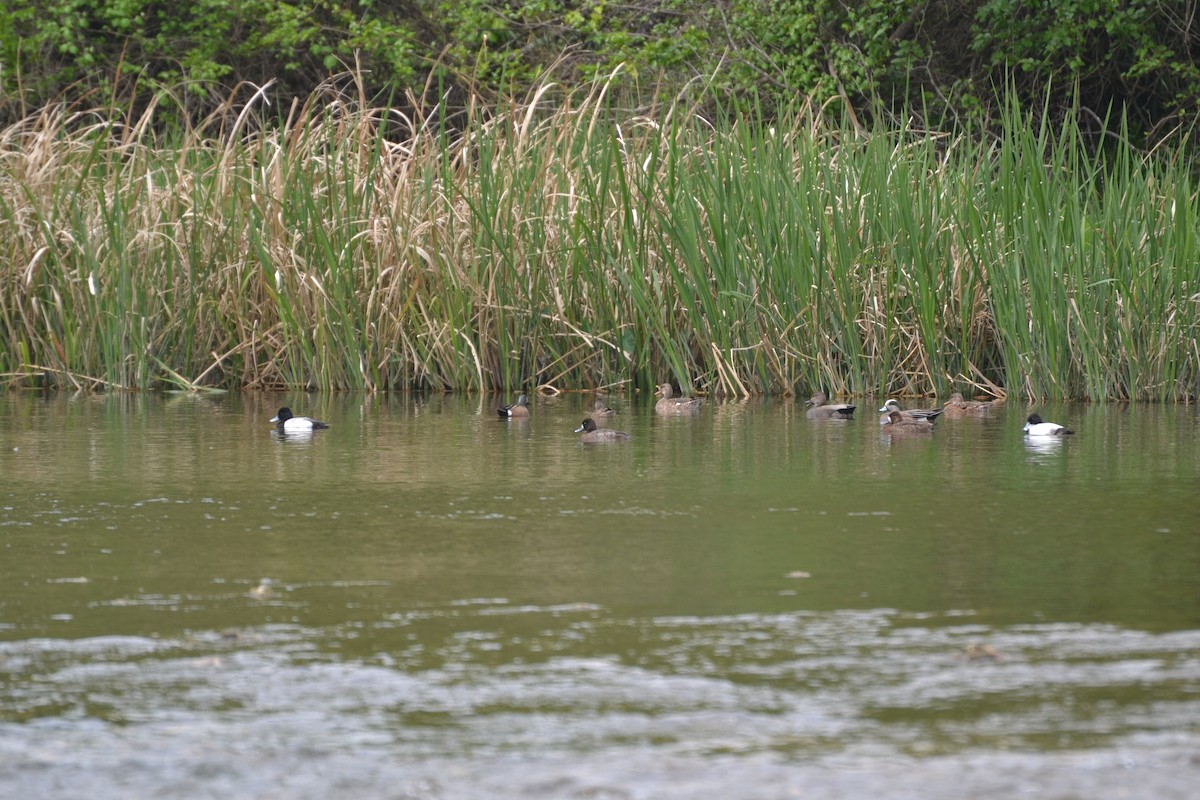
x=743 y=604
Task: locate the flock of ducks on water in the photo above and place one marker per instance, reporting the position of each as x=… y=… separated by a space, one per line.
x=593 y=433
x=894 y=419
x=920 y=420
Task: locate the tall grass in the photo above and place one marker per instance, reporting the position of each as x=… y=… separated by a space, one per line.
x=562 y=245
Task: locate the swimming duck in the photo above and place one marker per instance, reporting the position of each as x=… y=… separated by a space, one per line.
x=1035 y=427
x=602 y=410
x=262 y=591
x=982 y=652
x=894 y=422
x=668 y=404
x=290 y=424
x=957 y=408
x=912 y=413
x=517 y=409
x=821 y=409
x=592 y=434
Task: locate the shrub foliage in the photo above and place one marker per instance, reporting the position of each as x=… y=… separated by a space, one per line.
x=945 y=59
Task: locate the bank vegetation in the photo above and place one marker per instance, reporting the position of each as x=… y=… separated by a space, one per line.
x=558 y=242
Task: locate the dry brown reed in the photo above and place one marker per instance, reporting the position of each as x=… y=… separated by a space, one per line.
x=556 y=243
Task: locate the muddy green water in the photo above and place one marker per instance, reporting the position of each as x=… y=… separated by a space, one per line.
x=742 y=604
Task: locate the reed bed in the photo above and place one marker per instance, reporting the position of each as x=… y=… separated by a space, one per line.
x=563 y=246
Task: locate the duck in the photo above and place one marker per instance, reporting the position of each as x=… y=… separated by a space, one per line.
x=819 y=408
x=602 y=410
x=912 y=413
x=1035 y=427
x=982 y=652
x=957 y=408
x=288 y=423
x=669 y=404
x=517 y=409
x=262 y=591
x=592 y=434
x=895 y=422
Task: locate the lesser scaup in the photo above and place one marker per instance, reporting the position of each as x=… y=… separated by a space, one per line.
x=592 y=434
x=1035 y=427
x=286 y=422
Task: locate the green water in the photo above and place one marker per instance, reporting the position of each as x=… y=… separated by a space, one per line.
x=743 y=602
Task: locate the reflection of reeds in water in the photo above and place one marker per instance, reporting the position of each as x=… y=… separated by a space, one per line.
x=569 y=246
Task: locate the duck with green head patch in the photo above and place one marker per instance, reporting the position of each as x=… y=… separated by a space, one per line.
x=913 y=413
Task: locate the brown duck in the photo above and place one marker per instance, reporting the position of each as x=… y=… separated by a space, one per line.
x=957 y=408
x=669 y=404
x=602 y=410
x=517 y=409
x=894 y=422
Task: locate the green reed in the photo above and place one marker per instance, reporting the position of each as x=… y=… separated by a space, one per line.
x=562 y=245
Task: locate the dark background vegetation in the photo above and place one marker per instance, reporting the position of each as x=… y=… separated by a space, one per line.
x=939 y=62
